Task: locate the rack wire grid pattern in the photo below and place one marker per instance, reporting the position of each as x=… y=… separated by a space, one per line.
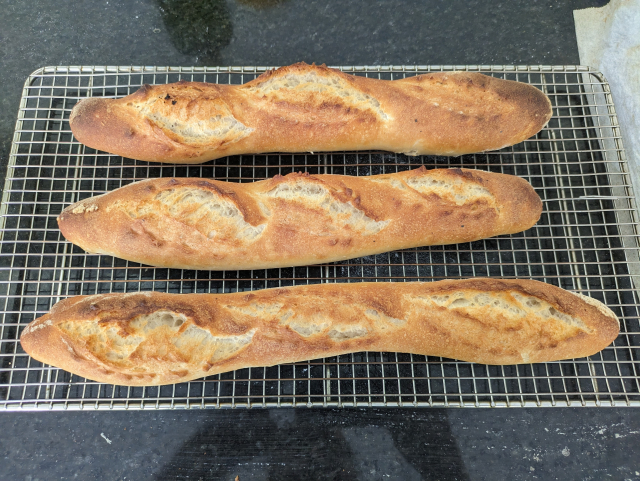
x=586 y=240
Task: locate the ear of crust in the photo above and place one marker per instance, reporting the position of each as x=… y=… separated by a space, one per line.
x=155 y=338
x=103 y=125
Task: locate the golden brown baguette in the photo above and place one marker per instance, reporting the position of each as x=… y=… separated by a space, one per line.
x=297 y=219
x=302 y=108
x=155 y=338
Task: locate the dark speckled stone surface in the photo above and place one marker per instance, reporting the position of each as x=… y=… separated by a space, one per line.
x=295 y=444
x=402 y=444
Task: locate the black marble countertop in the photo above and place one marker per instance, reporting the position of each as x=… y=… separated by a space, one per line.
x=280 y=444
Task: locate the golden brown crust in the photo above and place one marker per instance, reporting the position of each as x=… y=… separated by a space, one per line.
x=303 y=108
x=156 y=338
x=297 y=219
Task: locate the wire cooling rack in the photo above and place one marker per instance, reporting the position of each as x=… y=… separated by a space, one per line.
x=586 y=240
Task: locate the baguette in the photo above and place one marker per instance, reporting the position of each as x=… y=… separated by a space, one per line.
x=302 y=108
x=297 y=219
x=153 y=338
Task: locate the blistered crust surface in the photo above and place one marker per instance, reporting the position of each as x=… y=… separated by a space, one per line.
x=297 y=219
x=155 y=338
x=303 y=108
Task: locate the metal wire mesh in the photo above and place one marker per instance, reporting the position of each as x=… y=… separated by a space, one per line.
x=586 y=240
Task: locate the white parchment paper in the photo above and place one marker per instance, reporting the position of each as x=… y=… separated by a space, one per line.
x=609 y=40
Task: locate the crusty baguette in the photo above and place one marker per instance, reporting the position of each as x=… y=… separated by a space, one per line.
x=155 y=338
x=302 y=108
x=297 y=219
